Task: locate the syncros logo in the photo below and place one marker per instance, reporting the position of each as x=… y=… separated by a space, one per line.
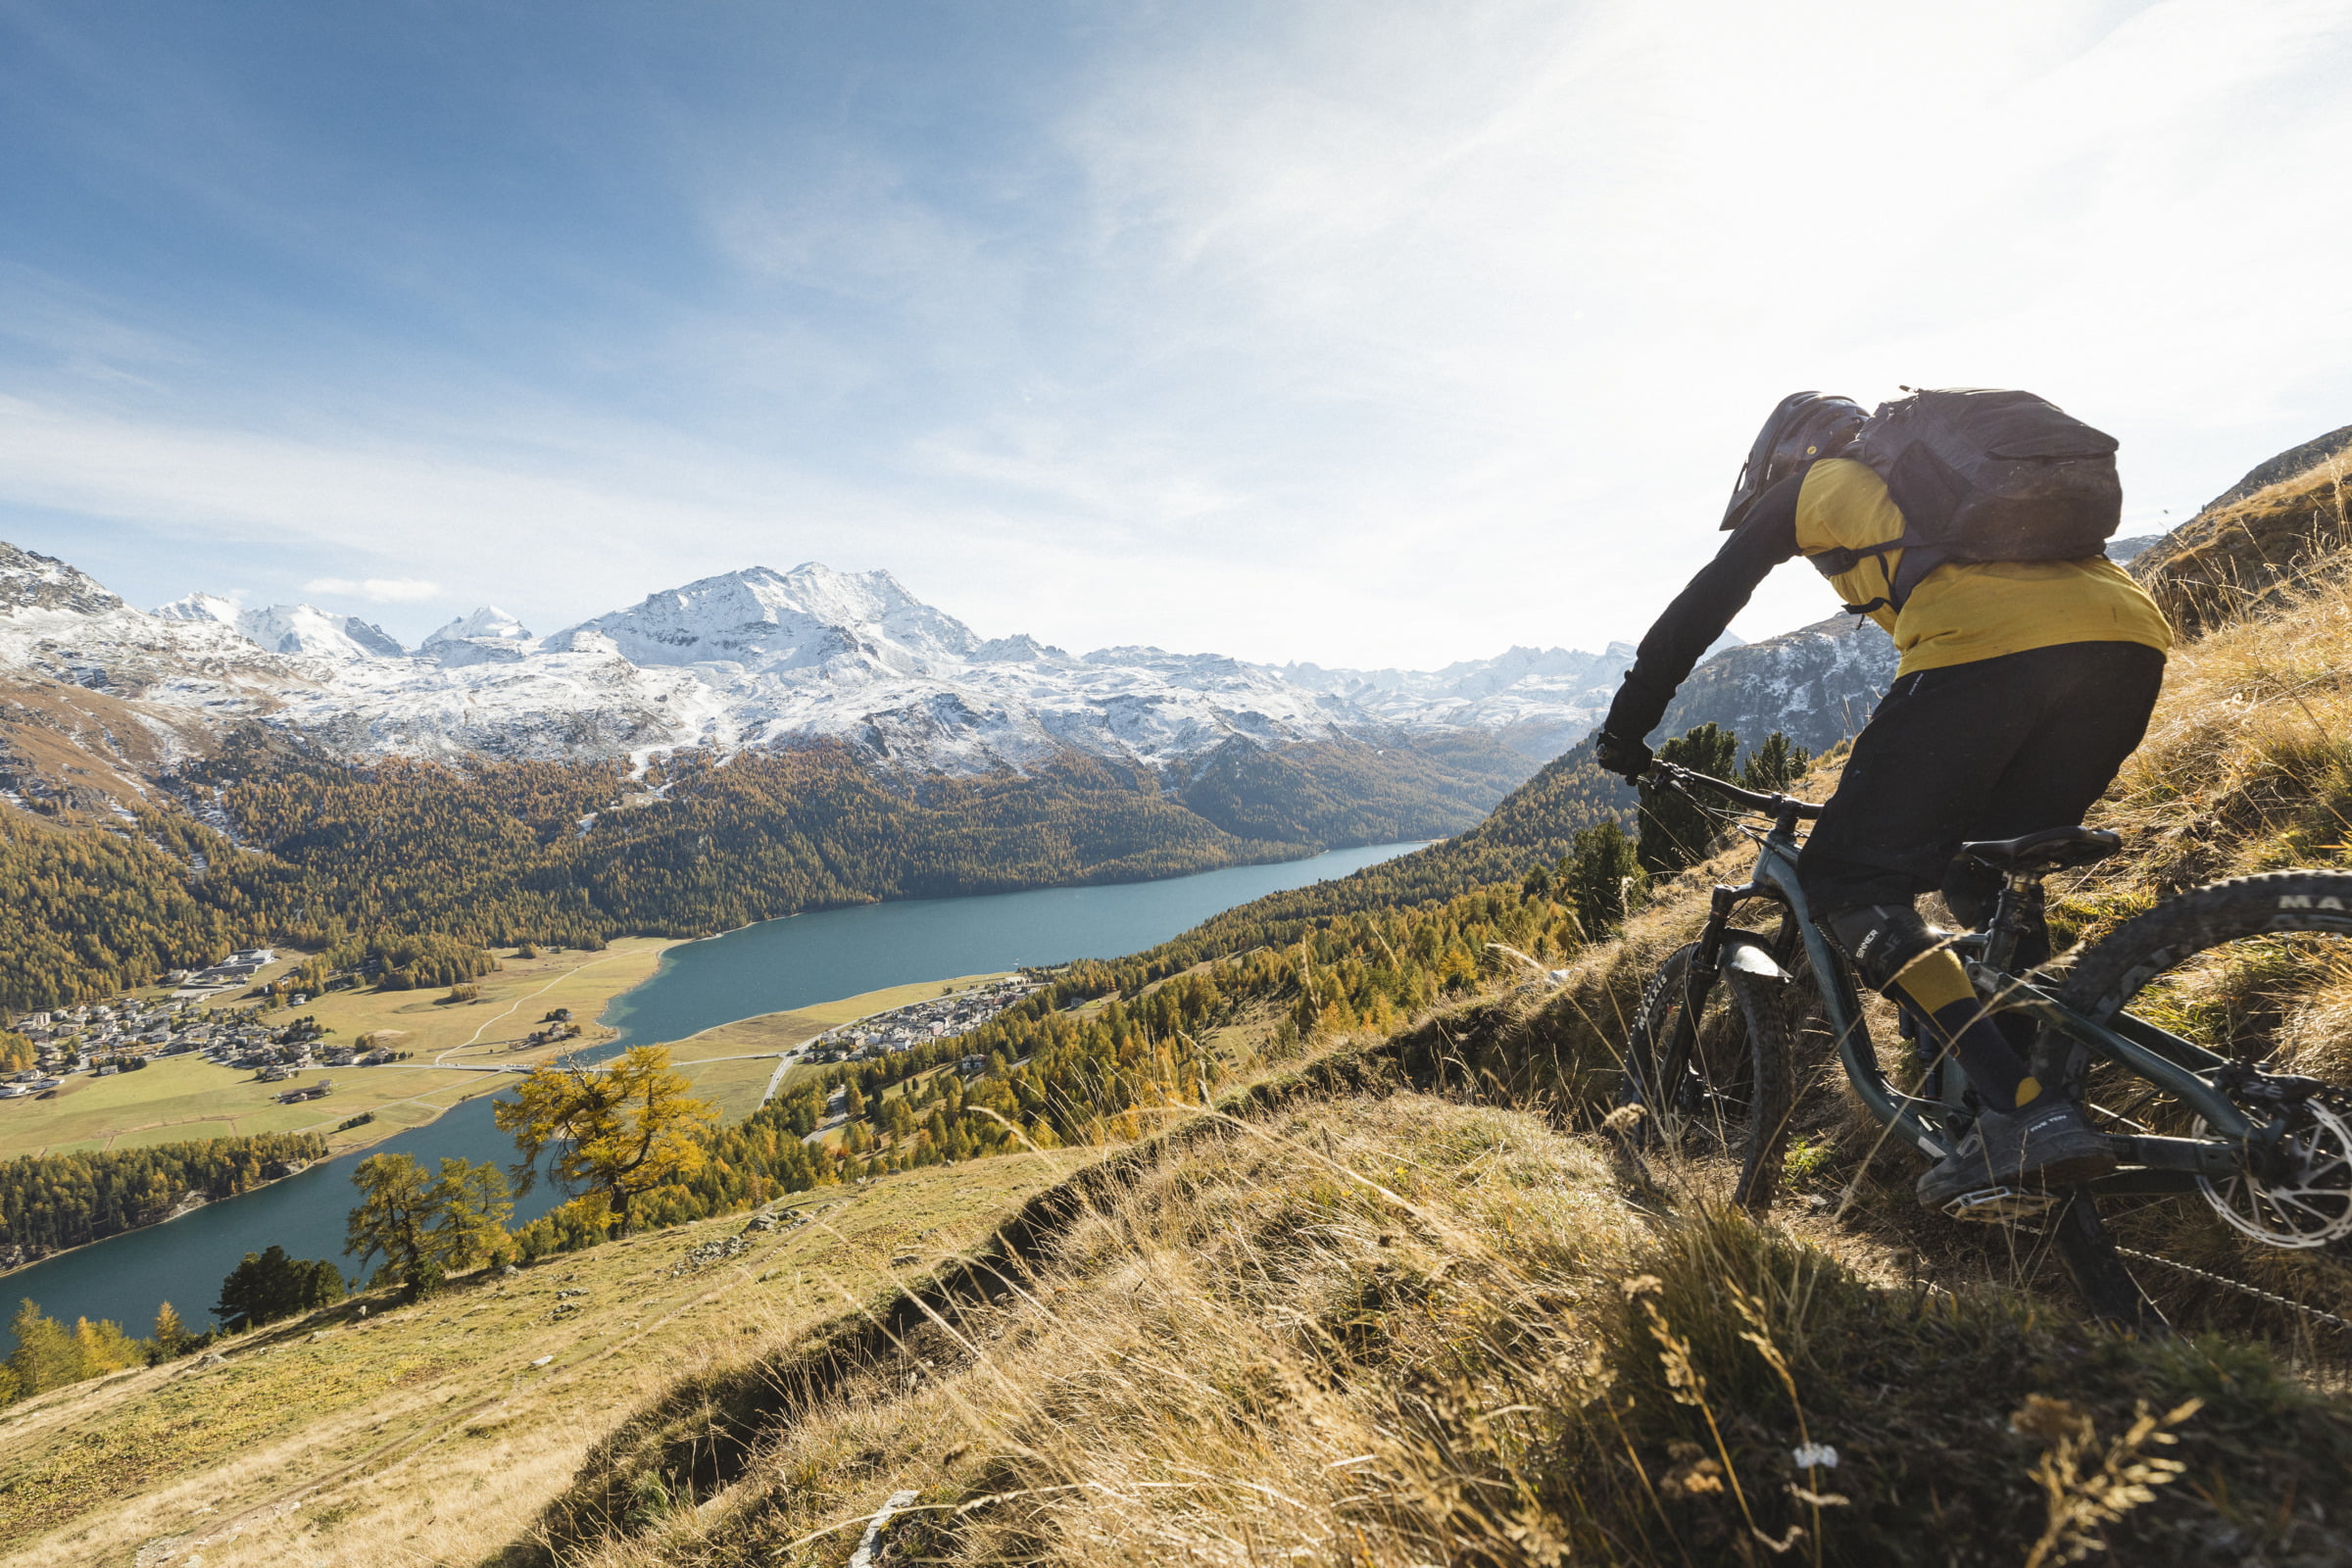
x=2305 y=900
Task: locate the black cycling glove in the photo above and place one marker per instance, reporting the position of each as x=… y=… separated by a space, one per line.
x=1627 y=759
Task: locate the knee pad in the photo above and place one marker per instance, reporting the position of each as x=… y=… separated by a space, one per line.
x=1882 y=940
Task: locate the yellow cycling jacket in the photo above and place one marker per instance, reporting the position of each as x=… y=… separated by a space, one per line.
x=1966 y=611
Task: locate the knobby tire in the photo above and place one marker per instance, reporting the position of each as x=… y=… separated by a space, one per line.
x=1734 y=1060
x=2106 y=979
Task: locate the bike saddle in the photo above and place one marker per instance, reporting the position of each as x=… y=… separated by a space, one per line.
x=2054 y=849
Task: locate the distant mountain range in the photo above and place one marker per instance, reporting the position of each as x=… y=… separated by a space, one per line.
x=749 y=659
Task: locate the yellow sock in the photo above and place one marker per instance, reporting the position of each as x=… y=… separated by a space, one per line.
x=1936 y=986
x=1933 y=981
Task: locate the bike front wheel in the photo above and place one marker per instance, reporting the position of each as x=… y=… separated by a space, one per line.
x=1709 y=1061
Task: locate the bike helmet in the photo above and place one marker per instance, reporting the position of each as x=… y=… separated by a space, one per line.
x=1805 y=427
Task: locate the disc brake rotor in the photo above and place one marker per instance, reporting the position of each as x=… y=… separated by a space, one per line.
x=2310 y=1203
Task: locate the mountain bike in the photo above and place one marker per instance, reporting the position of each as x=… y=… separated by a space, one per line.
x=1713 y=1051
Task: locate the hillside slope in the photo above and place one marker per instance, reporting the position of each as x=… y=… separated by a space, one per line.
x=2246 y=547
x=439 y=1429
x=1397 y=1304
x=1378 y=1315
x=1362 y=1326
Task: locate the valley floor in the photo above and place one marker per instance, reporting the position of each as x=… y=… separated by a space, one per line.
x=455 y=1052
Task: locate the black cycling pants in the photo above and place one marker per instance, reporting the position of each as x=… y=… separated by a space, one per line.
x=1988 y=750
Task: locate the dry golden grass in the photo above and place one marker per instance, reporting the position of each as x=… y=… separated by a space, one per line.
x=2246 y=766
x=1396 y=1330
x=2248 y=556
x=1159 y=1387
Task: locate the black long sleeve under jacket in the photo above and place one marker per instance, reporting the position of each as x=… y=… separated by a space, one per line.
x=1765 y=537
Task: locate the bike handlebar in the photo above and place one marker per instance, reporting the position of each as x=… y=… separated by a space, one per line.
x=1683 y=778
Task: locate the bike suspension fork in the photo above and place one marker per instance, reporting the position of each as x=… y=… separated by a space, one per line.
x=1720 y=905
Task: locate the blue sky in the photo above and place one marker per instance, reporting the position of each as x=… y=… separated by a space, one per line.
x=1361 y=332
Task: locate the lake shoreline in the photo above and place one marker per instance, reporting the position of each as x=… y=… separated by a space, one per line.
x=185 y=1207
x=791 y=964
x=1410 y=847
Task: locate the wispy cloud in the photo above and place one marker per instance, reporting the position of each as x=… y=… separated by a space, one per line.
x=377 y=590
x=1364 y=332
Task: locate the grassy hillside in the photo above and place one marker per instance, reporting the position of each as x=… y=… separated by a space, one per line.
x=378 y=1434
x=2251 y=547
x=1381 y=1328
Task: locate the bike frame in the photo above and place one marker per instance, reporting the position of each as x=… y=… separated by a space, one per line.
x=2182 y=1068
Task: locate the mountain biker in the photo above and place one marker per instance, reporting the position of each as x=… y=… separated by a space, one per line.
x=2023 y=687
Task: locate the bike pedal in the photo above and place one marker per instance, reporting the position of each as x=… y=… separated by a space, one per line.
x=2000 y=1206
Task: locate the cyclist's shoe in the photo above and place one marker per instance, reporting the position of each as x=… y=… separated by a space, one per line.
x=2046 y=1144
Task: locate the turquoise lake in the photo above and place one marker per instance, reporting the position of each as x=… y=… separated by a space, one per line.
x=769 y=968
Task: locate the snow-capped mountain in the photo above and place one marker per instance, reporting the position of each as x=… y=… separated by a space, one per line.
x=1817 y=684
x=489 y=623
x=59 y=623
x=488 y=636
x=296 y=629
x=809 y=618
x=749 y=658
x=1544 y=699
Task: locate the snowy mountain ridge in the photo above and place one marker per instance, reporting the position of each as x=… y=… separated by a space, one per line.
x=296 y=629
x=749 y=658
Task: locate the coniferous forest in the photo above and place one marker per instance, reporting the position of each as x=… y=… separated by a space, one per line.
x=276 y=844
x=49 y=1202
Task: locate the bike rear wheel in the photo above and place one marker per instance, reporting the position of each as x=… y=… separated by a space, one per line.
x=2226 y=965
x=1711 y=1058
x=2236 y=966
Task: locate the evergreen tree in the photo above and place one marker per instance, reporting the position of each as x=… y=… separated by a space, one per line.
x=268 y=1285
x=103 y=1348
x=620 y=1131
x=1602 y=879
x=1776 y=765
x=395 y=1217
x=52 y=1202
x=1674 y=832
x=471 y=1202
x=170 y=1338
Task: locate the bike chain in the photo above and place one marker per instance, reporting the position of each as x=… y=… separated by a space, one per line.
x=2255 y=1291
